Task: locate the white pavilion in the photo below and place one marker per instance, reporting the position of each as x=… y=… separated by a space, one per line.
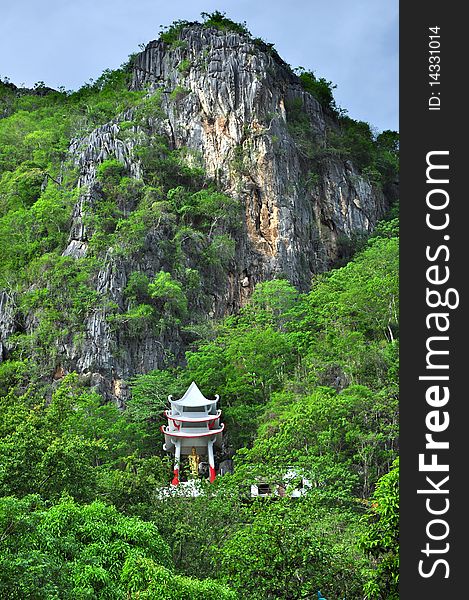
x=193 y=424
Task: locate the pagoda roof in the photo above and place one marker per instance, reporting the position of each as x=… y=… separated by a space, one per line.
x=193 y=397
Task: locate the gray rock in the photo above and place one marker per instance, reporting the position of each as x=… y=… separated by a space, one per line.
x=226 y=466
x=7 y=321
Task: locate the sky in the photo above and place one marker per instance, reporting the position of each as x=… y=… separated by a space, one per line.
x=352 y=43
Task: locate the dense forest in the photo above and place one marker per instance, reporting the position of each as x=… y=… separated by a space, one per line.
x=308 y=379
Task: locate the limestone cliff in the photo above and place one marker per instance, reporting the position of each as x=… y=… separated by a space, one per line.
x=236 y=106
x=238 y=102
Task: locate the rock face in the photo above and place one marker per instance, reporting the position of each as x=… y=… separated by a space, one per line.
x=237 y=106
x=243 y=112
x=7 y=322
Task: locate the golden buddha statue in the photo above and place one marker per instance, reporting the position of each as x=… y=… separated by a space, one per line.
x=194 y=460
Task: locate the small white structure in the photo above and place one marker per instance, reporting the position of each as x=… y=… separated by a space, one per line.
x=263 y=489
x=193 y=424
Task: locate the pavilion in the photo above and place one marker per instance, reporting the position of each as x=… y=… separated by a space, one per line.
x=193 y=424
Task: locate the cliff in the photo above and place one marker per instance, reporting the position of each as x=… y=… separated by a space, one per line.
x=228 y=106
x=241 y=101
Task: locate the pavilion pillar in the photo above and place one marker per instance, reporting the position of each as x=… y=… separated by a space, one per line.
x=211 y=461
x=177 y=456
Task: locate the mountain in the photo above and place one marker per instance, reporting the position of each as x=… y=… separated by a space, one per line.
x=225 y=170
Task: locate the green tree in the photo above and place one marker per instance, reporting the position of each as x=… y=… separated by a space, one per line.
x=169 y=294
x=70 y=551
x=342 y=441
x=381 y=538
x=194 y=527
x=144 y=579
x=290 y=550
x=320 y=88
x=71 y=444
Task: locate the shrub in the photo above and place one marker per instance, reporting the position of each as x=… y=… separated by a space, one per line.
x=218 y=20
x=320 y=88
x=169 y=292
x=184 y=66
x=110 y=171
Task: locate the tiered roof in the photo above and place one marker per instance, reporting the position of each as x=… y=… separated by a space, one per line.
x=193 y=398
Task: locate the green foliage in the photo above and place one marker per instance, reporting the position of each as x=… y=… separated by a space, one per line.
x=184 y=66
x=136 y=289
x=299 y=127
x=170 y=33
x=87 y=551
x=387 y=229
x=320 y=88
x=221 y=251
x=220 y=21
x=174 y=202
x=144 y=579
x=345 y=324
x=22 y=186
x=210 y=208
x=12 y=373
x=376 y=156
x=130 y=485
x=179 y=93
x=7 y=97
x=343 y=332
x=271 y=302
x=239 y=161
x=39 y=127
x=27 y=234
x=195 y=527
x=355 y=429
x=244 y=365
x=290 y=550
x=267 y=361
x=60 y=299
x=72 y=551
x=67 y=445
x=168 y=293
x=381 y=538
x=161 y=300
x=110 y=172
x=37 y=195
x=148 y=108
x=356 y=141
x=387 y=160
x=150 y=395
